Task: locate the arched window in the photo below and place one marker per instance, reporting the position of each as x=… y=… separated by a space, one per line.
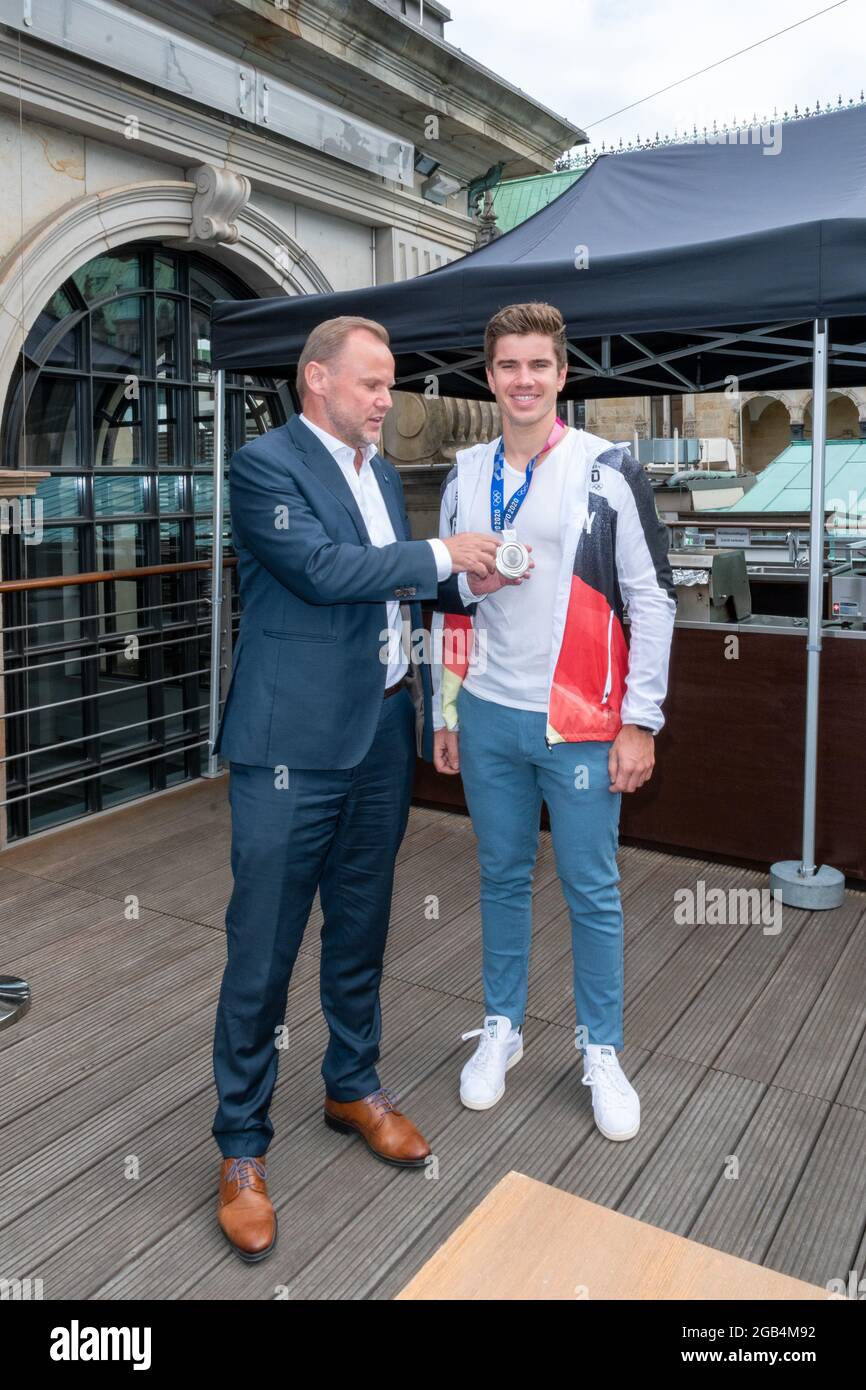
x=114 y=396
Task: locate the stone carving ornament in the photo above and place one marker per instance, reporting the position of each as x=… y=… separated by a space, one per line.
x=220 y=195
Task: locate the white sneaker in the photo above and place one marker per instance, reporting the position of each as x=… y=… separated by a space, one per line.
x=615 y=1103
x=482 y=1080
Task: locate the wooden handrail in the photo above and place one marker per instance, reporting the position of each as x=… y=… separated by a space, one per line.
x=61 y=581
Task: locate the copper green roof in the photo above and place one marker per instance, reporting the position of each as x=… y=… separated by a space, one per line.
x=516 y=199
x=785 y=484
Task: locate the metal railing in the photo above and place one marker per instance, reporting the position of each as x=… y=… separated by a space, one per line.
x=161 y=626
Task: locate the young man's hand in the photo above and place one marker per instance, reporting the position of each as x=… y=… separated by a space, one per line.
x=491 y=582
x=446 y=753
x=631 y=759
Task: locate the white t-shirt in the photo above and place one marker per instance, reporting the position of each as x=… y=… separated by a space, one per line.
x=517 y=621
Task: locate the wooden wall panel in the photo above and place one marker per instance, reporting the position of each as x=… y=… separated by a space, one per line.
x=729 y=762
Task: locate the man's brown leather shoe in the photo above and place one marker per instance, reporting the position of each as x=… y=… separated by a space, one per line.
x=244 y=1209
x=386 y=1130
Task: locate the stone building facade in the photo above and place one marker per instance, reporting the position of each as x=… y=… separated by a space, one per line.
x=759 y=424
x=156 y=155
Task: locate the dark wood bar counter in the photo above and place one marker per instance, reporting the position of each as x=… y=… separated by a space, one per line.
x=728 y=779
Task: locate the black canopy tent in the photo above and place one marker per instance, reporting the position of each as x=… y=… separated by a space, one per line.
x=677 y=269
x=716 y=257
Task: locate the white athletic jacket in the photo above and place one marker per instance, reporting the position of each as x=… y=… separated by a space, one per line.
x=614 y=552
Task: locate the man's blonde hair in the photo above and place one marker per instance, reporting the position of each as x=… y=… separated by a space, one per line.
x=535 y=317
x=327 y=339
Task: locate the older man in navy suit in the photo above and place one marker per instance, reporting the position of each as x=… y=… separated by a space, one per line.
x=321 y=724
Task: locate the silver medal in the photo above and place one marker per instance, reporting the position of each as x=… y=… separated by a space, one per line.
x=512 y=558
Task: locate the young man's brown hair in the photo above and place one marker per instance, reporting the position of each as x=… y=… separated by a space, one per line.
x=534 y=317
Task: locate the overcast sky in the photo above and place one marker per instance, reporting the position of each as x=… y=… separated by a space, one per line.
x=586 y=59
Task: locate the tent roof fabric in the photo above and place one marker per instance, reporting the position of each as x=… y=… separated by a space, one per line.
x=676 y=240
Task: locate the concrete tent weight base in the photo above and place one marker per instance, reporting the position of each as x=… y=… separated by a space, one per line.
x=822 y=889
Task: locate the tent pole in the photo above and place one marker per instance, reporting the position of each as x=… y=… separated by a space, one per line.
x=803 y=884
x=219 y=403
x=816 y=567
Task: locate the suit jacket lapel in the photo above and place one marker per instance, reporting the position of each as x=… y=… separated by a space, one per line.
x=327 y=470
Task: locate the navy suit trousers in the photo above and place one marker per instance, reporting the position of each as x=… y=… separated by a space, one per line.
x=338 y=831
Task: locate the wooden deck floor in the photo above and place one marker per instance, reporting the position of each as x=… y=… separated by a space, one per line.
x=743 y=1046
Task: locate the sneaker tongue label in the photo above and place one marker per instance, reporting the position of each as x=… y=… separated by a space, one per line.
x=607 y=1052
x=491 y=1029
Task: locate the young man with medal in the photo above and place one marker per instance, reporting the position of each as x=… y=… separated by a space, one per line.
x=562 y=709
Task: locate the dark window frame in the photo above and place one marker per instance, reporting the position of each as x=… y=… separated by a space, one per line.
x=26 y=774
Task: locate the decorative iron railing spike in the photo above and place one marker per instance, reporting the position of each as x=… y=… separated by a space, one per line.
x=587 y=157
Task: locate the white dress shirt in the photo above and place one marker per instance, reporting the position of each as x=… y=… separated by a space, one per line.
x=371 y=505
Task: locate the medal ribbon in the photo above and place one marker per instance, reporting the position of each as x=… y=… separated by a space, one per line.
x=500 y=515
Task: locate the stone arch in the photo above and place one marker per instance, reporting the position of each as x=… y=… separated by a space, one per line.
x=789 y=399
x=846 y=407
x=240 y=236
x=765 y=427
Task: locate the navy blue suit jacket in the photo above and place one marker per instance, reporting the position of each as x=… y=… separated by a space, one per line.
x=307 y=677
